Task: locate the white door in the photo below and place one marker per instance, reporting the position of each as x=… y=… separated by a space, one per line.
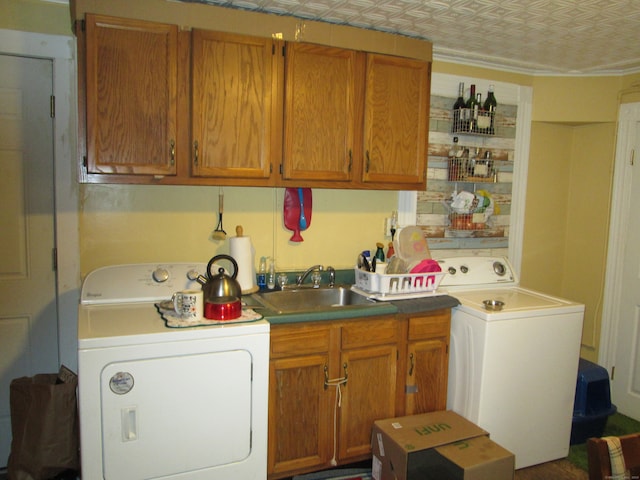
x=28 y=313
x=621 y=336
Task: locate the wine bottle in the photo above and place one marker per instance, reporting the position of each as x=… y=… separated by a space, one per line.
x=484 y=119
x=458 y=110
x=472 y=110
x=490 y=105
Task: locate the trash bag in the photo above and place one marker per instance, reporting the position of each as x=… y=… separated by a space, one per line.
x=44 y=426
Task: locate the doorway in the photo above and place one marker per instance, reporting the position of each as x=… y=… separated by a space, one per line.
x=620 y=345
x=28 y=309
x=59 y=50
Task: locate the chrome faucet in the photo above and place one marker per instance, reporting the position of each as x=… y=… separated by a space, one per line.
x=301 y=278
x=332 y=276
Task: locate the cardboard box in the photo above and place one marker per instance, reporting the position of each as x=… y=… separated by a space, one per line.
x=477 y=458
x=432 y=446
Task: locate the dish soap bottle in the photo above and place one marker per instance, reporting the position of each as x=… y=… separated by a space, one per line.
x=271 y=275
x=262 y=274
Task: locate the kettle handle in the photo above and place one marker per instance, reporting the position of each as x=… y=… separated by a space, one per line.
x=223 y=257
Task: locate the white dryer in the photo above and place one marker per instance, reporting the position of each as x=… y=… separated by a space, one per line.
x=159 y=402
x=513 y=372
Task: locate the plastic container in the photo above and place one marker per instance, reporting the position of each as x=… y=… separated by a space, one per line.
x=592 y=404
x=262 y=274
x=271 y=275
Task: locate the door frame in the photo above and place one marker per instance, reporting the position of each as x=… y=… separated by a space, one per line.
x=619 y=208
x=61 y=50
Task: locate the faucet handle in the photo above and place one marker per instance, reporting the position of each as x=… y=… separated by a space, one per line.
x=316 y=278
x=332 y=276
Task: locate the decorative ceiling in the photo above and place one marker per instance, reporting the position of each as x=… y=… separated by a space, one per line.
x=567 y=37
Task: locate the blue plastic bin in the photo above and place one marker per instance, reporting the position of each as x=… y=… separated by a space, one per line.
x=592 y=405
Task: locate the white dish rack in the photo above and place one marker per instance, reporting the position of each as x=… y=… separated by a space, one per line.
x=397 y=286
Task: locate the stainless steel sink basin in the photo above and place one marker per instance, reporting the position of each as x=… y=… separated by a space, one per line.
x=312 y=300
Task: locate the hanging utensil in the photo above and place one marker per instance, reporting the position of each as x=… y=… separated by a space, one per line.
x=219 y=233
x=303 y=219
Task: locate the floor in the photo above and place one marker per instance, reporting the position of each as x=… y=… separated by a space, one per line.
x=558 y=470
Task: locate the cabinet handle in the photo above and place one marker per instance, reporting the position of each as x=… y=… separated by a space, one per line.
x=368 y=162
x=172 y=150
x=195 y=152
x=411 y=365
x=350 y=159
x=336 y=382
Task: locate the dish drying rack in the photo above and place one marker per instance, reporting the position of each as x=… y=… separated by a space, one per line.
x=397 y=286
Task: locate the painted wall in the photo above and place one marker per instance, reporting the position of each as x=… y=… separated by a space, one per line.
x=570 y=165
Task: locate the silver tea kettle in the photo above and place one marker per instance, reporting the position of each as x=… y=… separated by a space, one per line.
x=220 y=285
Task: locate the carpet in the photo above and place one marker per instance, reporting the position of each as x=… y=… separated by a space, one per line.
x=338 y=474
x=617 y=424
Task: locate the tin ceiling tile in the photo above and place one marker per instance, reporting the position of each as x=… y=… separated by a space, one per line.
x=532 y=36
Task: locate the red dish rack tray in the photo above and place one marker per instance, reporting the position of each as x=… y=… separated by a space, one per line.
x=398 y=284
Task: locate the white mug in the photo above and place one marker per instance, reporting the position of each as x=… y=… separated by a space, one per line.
x=188 y=304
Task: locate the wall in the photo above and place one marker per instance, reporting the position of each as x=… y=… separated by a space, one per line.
x=123 y=224
x=35 y=16
x=127 y=223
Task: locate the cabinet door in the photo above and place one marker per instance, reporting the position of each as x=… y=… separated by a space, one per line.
x=427 y=363
x=234 y=105
x=321 y=94
x=426 y=381
x=131 y=87
x=369 y=395
x=396 y=120
x=299 y=420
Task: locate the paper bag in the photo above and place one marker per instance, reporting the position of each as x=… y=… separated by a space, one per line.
x=44 y=425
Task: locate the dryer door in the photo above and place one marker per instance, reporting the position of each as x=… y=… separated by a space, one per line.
x=162 y=416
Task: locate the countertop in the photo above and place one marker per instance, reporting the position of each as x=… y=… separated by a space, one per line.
x=416 y=305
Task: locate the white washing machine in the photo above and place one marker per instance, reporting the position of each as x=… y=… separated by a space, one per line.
x=513 y=372
x=159 y=402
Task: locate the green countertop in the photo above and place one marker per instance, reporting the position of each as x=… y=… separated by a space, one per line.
x=417 y=305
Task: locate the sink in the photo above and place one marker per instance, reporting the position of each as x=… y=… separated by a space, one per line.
x=313 y=300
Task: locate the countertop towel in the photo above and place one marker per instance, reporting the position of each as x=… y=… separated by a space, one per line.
x=416 y=305
x=173 y=320
x=618 y=468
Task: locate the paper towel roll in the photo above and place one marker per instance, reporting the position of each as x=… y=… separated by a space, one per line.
x=241 y=249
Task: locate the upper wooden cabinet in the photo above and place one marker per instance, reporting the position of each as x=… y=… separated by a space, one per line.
x=322 y=93
x=131 y=88
x=169 y=106
x=355 y=117
x=396 y=121
x=233 y=107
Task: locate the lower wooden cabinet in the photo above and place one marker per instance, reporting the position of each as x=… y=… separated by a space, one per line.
x=330 y=380
x=427 y=363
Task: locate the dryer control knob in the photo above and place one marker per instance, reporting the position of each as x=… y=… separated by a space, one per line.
x=499 y=268
x=160 y=275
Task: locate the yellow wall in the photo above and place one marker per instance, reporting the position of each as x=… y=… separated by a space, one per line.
x=35 y=16
x=124 y=224
x=567 y=197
